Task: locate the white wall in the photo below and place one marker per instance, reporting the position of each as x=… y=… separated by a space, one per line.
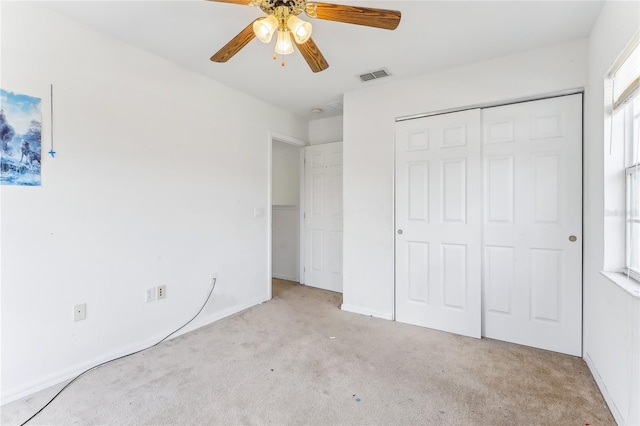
x=285 y=215
x=369 y=150
x=285 y=181
x=325 y=130
x=285 y=242
x=156 y=179
x=611 y=315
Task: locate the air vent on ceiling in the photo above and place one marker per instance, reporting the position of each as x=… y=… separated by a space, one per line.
x=336 y=106
x=374 y=75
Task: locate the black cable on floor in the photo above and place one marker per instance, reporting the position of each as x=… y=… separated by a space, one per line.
x=124 y=356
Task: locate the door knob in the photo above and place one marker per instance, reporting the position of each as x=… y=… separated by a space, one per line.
x=572 y=238
x=400 y=231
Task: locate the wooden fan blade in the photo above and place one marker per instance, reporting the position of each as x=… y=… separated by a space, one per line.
x=312 y=55
x=234 y=46
x=240 y=2
x=378 y=18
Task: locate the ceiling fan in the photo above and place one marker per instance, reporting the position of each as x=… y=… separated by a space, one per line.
x=282 y=17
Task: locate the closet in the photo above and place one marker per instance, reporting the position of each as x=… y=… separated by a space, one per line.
x=488 y=220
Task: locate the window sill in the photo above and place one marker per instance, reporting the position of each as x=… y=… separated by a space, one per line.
x=629 y=285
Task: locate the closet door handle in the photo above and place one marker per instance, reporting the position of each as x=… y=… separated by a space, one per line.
x=572 y=238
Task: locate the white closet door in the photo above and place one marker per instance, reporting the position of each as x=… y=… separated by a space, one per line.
x=323 y=216
x=438 y=222
x=532 y=284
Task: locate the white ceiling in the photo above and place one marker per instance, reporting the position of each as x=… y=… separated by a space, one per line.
x=432 y=35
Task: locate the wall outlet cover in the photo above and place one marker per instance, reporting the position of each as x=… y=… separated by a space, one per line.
x=161 y=292
x=150 y=294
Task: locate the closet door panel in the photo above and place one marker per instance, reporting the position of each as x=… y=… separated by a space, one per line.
x=532 y=229
x=438 y=250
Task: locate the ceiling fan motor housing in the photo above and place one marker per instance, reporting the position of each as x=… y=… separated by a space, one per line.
x=295 y=7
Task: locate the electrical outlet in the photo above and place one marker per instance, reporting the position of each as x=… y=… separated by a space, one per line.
x=150 y=294
x=214 y=275
x=161 y=291
x=80 y=312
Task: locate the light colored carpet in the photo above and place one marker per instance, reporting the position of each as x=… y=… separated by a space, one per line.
x=298 y=359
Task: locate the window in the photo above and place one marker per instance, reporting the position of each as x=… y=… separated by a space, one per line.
x=625 y=151
x=632 y=187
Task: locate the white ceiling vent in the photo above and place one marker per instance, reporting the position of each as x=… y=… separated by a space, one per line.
x=374 y=75
x=336 y=106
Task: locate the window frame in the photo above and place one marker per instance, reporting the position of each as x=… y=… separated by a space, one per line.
x=632 y=216
x=622 y=168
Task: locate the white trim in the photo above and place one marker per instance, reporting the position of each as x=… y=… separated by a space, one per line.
x=603 y=390
x=303 y=208
x=394 y=230
x=629 y=285
x=269 y=222
x=494 y=104
x=287 y=139
x=285 y=277
x=368 y=312
x=60 y=376
x=630 y=238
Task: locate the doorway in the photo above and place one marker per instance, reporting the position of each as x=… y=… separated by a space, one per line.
x=286 y=209
x=305 y=233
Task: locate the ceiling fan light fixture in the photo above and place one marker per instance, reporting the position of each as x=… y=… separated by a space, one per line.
x=265 y=27
x=283 y=43
x=300 y=29
x=282 y=17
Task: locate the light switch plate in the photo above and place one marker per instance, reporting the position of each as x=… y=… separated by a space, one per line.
x=80 y=312
x=150 y=294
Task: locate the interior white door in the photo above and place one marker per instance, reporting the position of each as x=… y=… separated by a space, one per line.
x=532 y=283
x=323 y=216
x=438 y=222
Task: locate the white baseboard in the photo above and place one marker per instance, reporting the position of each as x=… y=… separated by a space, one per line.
x=63 y=375
x=285 y=277
x=603 y=389
x=365 y=311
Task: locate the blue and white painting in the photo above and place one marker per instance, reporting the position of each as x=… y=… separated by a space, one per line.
x=20 y=139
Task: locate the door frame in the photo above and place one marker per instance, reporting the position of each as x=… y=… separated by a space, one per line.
x=481 y=106
x=278 y=137
x=560 y=93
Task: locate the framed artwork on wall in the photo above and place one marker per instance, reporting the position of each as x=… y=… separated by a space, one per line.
x=20 y=139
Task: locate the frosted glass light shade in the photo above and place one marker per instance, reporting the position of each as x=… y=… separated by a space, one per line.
x=283 y=44
x=300 y=29
x=265 y=27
